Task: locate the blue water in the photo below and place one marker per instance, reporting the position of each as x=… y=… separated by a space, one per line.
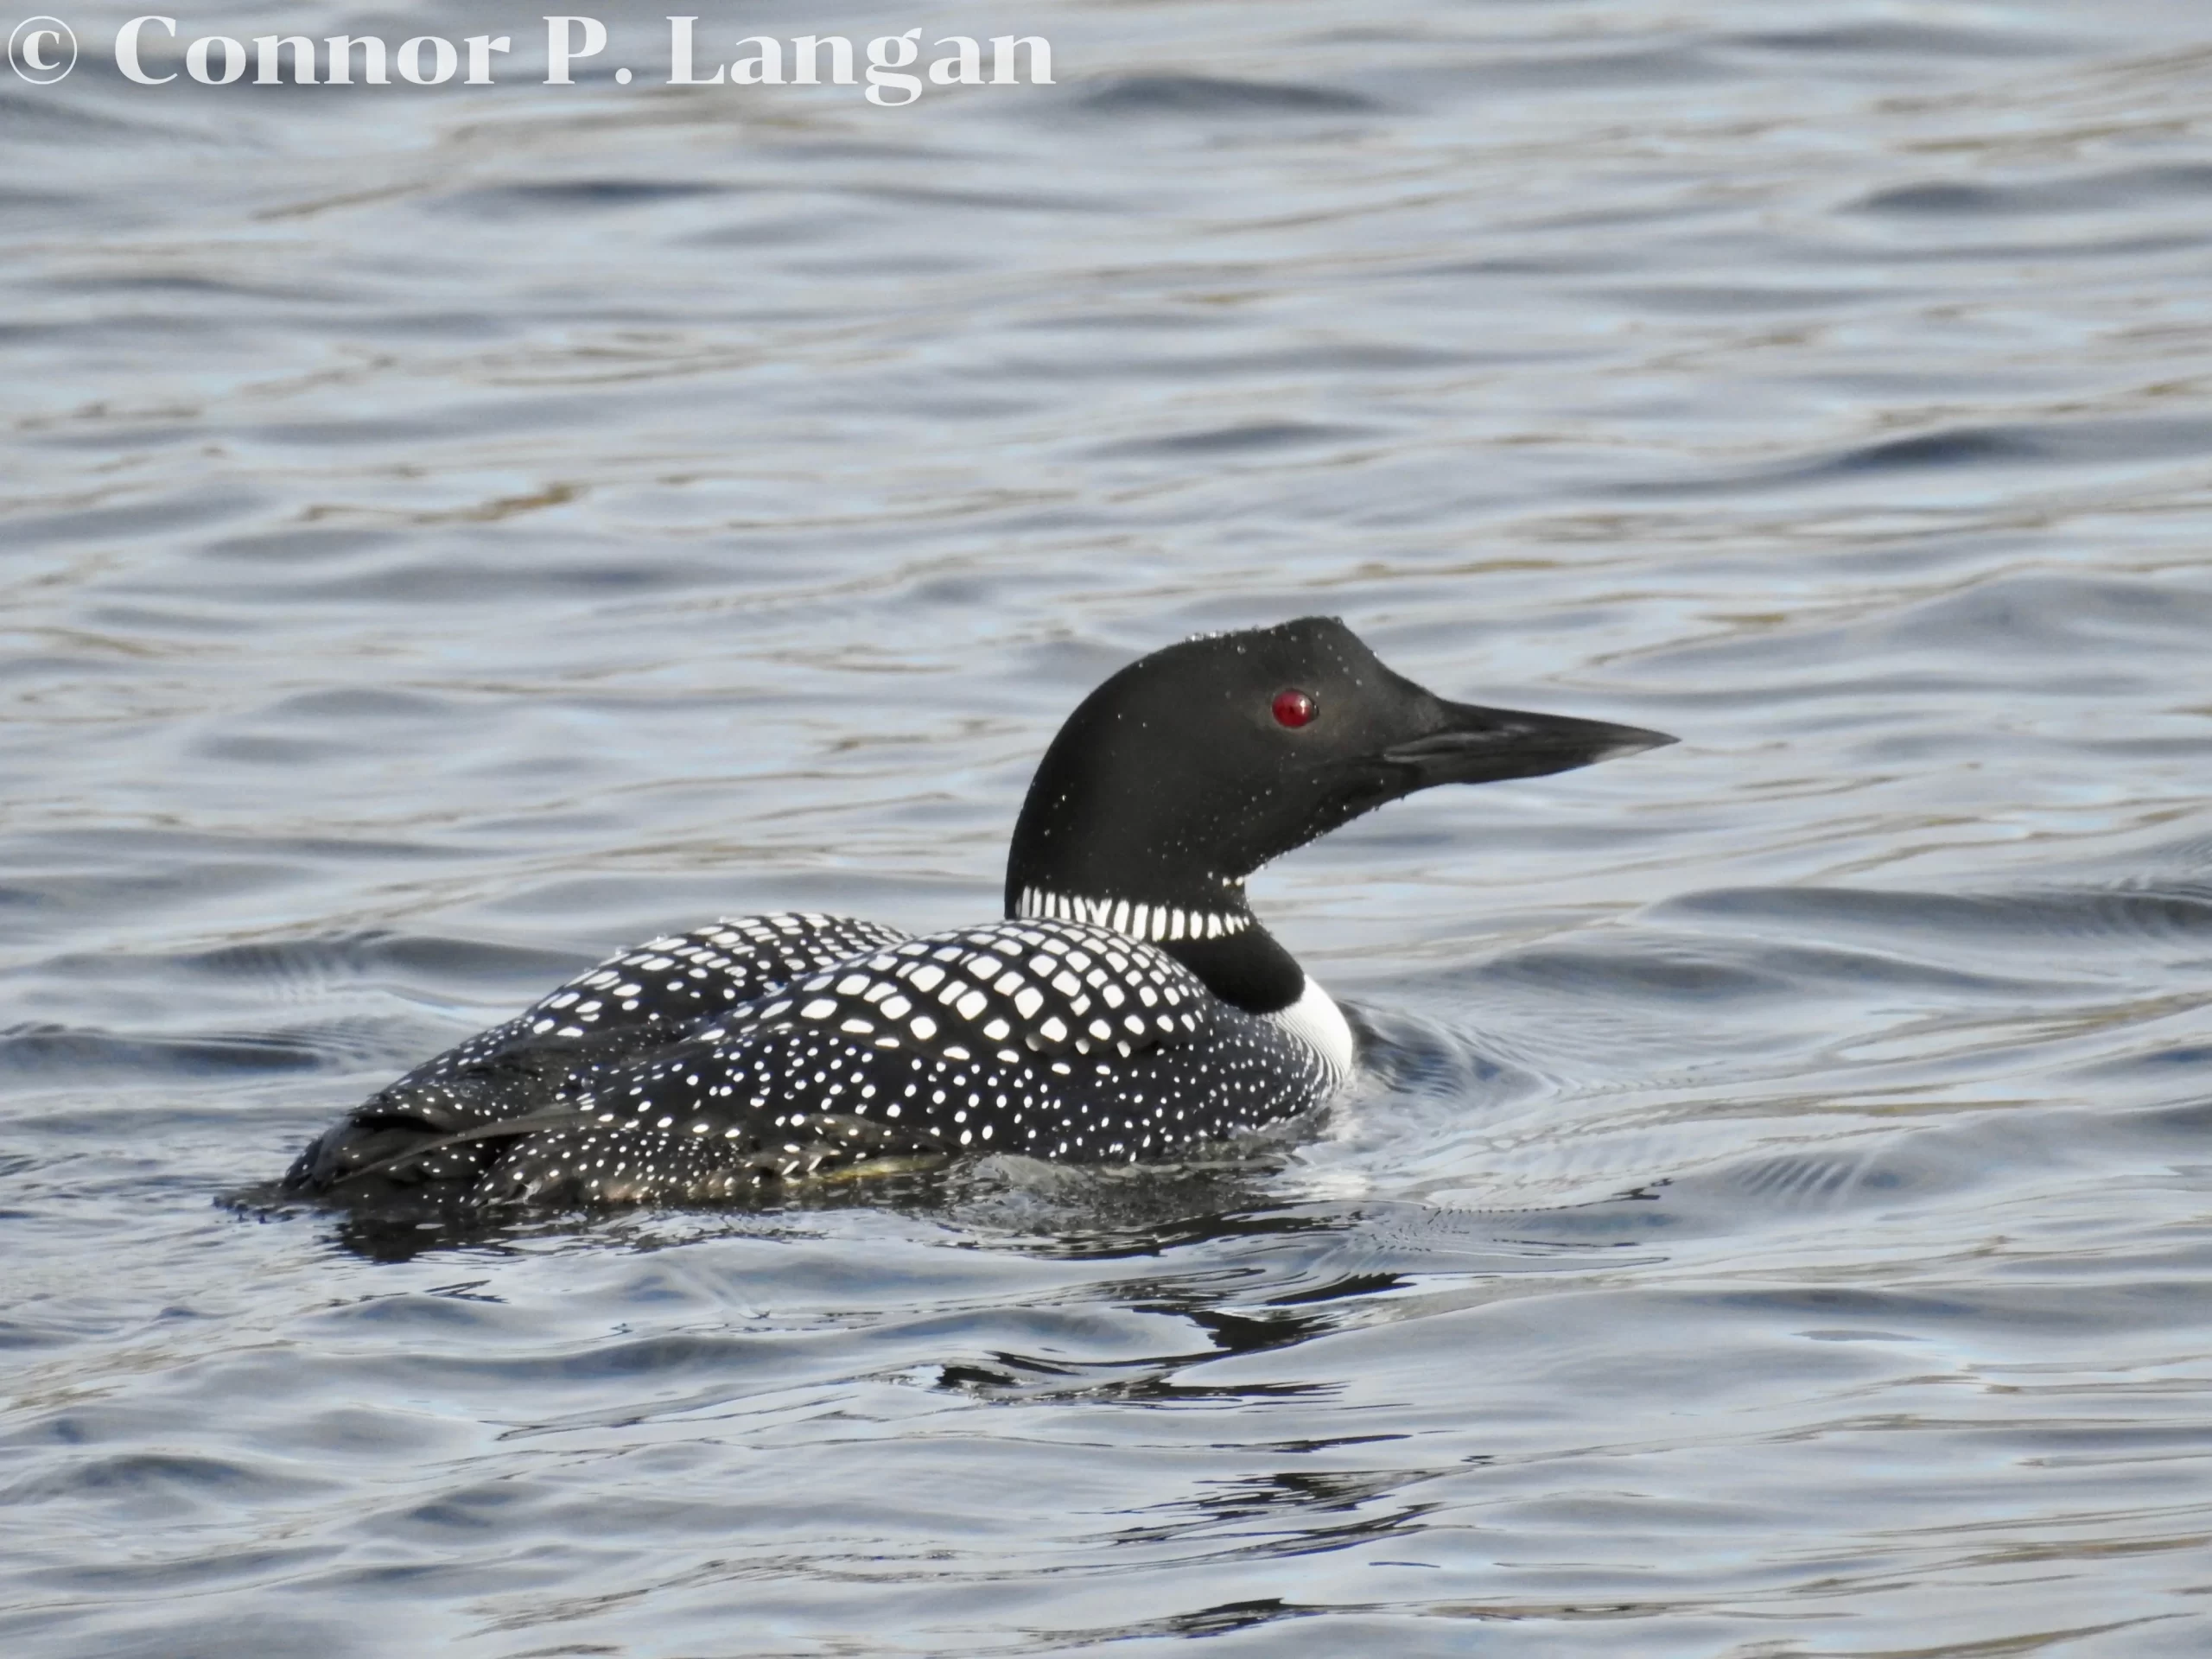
x=448 y=535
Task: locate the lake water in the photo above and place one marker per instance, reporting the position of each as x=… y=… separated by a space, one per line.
x=448 y=535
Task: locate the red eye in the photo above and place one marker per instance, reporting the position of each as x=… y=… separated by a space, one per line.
x=1292 y=707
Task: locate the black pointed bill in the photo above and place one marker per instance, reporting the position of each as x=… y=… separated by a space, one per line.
x=1481 y=745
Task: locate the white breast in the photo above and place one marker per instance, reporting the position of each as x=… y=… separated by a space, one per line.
x=1316 y=1020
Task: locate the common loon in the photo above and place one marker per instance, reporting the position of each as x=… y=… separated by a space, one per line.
x=1128 y=1008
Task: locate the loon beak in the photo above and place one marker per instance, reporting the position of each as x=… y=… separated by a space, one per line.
x=1481 y=745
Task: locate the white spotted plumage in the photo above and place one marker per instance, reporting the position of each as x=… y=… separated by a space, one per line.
x=808 y=1045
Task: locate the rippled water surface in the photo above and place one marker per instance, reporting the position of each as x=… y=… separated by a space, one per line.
x=447 y=535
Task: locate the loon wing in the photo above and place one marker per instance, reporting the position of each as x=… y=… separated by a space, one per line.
x=633 y=1003
x=563 y=1155
x=645 y=997
x=1037 y=1036
x=1013 y=1037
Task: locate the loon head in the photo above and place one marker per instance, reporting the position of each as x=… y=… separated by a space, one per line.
x=1193 y=766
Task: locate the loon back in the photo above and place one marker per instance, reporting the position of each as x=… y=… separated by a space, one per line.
x=1130 y=1007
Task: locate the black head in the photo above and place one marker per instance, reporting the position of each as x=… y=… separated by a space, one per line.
x=1193 y=767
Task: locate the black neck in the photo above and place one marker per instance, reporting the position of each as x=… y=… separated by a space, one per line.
x=1250 y=969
